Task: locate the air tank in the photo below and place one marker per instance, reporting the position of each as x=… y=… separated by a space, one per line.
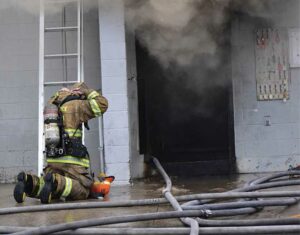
x=51 y=118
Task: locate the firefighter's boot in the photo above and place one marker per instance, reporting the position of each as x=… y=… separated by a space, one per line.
x=23 y=187
x=48 y=189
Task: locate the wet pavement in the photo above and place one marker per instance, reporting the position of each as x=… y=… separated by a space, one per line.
x=147 y=188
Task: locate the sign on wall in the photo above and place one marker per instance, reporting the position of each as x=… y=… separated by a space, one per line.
x=294 y=44
x=272 y=65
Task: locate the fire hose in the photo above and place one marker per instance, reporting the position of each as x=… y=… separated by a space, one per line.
x=201 y=206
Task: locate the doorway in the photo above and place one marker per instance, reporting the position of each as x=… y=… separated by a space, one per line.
x=186 y=114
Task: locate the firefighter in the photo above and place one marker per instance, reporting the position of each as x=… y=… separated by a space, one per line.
x=66 y=174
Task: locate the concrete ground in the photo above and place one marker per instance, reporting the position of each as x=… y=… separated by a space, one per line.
x=147 y=188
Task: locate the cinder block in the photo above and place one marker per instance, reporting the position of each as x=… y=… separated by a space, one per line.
x=9 y=62
x=19 y=110
x=110 y=33
x=116 y=103
x=92 y=77
x=113 y=68
x=114 y=85
x=116 y=120
x=113 y=50
x=19 y=126
x=27 y=47
x=121 y=171
x=116 y=137
x=9 y=174
x=27 y=11
x=27 y=62
x=13 y=158
x=9 y=31
x=29 y=31
x=278 y=112
x=9 y=12
x=116 y=154
x=239 y=133
x=91 y=10
x=8 y=46
x=239 y=150
x=18 y=143
x=91 y=59
x=137 y=167
x=272 y=148
x=238 y=117
x=91 y=28
x=111 y=12
x=17 y=94
x=30 y=158
x=253 y=164
x=273 y=132
x=9 y=79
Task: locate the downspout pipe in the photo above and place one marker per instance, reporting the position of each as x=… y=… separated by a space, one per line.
x=100 y=122
x=101 y=145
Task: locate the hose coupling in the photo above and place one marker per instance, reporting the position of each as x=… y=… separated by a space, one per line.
x=207 y=213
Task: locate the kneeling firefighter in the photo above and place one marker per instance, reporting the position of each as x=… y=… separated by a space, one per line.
x=66 y=174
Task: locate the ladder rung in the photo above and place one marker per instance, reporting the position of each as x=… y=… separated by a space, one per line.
x=55 y=29
x=59 y=83
x=61 y=55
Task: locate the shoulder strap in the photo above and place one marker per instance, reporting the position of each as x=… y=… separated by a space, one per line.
x=69 y=98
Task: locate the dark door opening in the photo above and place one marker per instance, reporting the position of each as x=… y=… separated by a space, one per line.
x=185 y=114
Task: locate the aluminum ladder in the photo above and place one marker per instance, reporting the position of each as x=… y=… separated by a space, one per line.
x=42 y=57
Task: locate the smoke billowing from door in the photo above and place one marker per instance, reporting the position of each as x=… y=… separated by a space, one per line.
x=191 y=40
x=179 y=30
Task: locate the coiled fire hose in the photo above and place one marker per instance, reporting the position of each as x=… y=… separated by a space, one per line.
x=198 y=205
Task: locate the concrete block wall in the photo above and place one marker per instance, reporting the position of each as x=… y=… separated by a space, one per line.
x=114 y=87
x=19 y=50
x=18 y=90
x=136 y=159
x=117 y=50
x=261 y=148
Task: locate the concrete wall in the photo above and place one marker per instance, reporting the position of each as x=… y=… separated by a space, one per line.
x=261 y=148
x=19 y=35
x=136 y=160
x=118 y=65
x=18 y=90
x=114 y=87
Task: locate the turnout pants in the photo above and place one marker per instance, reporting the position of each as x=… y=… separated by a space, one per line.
x=73 y=181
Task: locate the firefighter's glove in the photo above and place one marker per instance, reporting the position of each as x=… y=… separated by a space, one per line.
x=81 y=88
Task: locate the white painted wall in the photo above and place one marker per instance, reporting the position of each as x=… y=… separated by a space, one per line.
x=19 y=47
x=136 y=160
x=261 y=148
x=117 y=52
x=114 y=87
